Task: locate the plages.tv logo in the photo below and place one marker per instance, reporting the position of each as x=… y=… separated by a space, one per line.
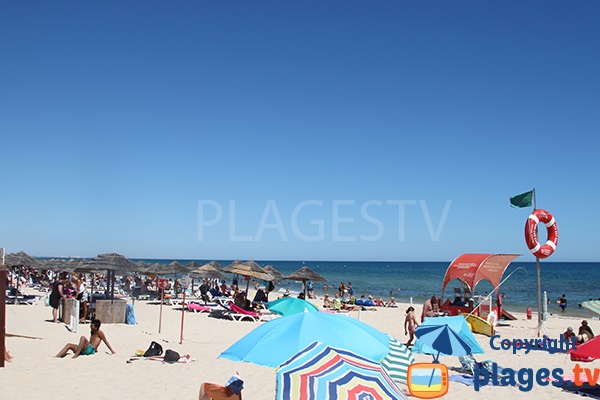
x=525 y=377
x=427 y=380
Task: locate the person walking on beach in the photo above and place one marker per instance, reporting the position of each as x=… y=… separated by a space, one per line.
x=87 y=347
x=562 y=302
x=410 y=324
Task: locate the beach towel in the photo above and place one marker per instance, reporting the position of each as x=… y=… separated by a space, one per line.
x=129 y=315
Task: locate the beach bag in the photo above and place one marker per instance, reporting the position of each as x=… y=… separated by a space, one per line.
x=171 y=356
x=155 y=349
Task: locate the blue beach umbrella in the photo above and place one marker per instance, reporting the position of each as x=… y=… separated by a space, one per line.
x=291 y=305
x=443 y=340
x=276 y=341
x=458 y=325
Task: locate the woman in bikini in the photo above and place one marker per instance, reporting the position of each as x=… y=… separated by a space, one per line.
x=410 y=324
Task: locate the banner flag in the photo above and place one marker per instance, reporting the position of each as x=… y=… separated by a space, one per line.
x=522 y=200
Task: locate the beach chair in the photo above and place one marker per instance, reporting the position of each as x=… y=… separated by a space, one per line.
x=232 y=391
x=197 y=308
x=239 y=314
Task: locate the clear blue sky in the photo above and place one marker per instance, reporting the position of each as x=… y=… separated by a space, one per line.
x=120 y=119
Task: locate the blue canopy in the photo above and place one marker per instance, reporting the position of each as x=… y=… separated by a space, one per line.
x=458 y=324
x=276 y=341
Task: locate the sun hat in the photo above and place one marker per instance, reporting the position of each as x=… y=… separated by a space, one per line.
x=570 y=329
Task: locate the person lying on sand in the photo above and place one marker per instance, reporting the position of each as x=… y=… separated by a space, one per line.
x=86 y=347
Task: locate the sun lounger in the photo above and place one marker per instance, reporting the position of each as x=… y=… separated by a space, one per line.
x=239 y=314
x=197 y=308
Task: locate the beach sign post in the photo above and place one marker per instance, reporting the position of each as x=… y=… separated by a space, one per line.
x=2 y=308
x=162 y=285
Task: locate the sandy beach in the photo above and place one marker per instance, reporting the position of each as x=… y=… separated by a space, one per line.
x=36 y=373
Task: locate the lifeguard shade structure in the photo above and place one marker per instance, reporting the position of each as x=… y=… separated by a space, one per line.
x=470 y=269
x=321 y=372
x=457 y=324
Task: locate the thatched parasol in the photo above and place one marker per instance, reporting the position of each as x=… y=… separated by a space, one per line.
x=20 y=259
x=207 y=271
x=110 y=262
x=276 y=274
x=304 y=274
x=248 y=269
x=60 y=264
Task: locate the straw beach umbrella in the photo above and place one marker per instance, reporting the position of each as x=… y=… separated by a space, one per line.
x=111 y=263
x=305 y=274
x=207 y=271
x=248 y=269
x=276 y=274
x=18 y=261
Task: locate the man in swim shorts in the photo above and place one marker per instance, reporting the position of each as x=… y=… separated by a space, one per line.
x=87 y=347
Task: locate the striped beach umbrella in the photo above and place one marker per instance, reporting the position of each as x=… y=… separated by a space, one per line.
x=592 y=305
x=320 y=372
x=397 y=361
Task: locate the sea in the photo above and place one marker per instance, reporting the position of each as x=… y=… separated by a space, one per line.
x=418 y=281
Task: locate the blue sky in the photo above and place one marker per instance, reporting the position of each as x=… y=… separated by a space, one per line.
x=223 y=130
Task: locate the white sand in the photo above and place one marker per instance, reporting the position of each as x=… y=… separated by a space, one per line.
x=36 y=373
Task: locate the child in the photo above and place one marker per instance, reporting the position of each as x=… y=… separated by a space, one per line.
x=410 y=324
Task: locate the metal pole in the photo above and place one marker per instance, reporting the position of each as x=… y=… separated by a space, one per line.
x=539 y=290
x=162 y=293
x=2 y=308
x=182 y=316
x=538 y=268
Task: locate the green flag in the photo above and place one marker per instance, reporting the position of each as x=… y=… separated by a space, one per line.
x=522 y=200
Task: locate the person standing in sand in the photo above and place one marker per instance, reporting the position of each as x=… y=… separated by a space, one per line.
x=55 y=296
x=410 y=324
x=87 y=347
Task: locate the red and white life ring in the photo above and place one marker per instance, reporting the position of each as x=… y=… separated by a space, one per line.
x=531 y=238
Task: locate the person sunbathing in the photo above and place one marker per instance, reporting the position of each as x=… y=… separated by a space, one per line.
x=87 y=347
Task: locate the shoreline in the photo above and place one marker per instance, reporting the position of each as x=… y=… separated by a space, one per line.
x=205 y=338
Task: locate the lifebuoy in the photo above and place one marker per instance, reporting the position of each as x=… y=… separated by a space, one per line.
x=531 y=238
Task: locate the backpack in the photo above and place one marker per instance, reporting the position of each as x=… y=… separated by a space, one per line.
x=155 y=349
x=171 y=356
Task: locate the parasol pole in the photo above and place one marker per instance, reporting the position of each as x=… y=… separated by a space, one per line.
x=182 y=316
x=162 y=292
x=2 y=308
